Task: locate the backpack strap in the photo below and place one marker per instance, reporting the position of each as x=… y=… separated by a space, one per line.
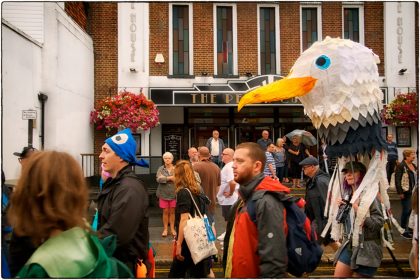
x=250 y=204
x=290 y=205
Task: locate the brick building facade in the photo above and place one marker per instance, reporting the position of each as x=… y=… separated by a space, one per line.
x=248 y=40
x=102 y=24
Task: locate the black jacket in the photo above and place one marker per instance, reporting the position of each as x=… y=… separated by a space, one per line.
x=399 y=171
x=316 y=195
x=123 y=211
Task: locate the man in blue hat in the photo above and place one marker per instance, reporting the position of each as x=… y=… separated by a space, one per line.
x=123 y=201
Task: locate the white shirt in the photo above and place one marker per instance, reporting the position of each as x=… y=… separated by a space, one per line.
x=226 y=175
x=215 y=147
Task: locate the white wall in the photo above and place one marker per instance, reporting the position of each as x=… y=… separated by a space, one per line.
x=21 y=83
x=68 y=80
x=133 y=44
x=61 y=68
x=28 y=17
x=133 y=53
x=399 y=20
x=167 y=115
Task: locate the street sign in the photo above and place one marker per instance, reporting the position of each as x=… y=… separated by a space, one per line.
x=28 y=114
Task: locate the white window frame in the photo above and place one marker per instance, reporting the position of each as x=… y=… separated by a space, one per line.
x=319 y=20
x=191 y=37
x=234 y=35
x=361 y=8
x=277 y=23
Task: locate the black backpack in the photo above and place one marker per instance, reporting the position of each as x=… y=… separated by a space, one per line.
x=303 y=251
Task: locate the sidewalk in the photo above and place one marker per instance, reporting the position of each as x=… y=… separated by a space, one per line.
x=163 y=246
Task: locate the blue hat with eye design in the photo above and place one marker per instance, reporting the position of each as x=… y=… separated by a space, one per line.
x=124 y=145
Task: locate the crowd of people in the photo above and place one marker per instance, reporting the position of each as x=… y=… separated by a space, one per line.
x=63 y=244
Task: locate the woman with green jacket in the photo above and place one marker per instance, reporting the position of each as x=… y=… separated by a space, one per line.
x=49 y=206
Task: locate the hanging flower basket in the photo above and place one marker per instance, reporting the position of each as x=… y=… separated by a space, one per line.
x=403 y=110
x=125 y=110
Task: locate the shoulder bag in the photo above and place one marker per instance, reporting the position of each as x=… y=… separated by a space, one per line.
x=405 y=181
x=195 y=234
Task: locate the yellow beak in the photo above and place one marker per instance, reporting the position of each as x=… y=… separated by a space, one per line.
x=279 y=90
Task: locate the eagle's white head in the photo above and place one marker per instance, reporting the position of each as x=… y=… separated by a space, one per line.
x=337 y=82
x=347 y=84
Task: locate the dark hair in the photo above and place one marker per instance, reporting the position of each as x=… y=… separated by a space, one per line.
x=51 y=194
x=358 y=182
x=255 y=152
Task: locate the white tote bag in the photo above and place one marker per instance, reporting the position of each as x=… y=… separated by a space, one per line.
x=195 y=235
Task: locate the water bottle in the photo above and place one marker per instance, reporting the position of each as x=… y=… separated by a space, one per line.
x=210 y=234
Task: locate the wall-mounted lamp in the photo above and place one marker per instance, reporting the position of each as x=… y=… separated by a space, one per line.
x=402 y=71
x=204 y=73
x=248 y=74
x=159 y=58
x=133 y=70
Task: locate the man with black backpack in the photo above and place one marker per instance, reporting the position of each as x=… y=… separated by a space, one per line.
x=268 y=234
x=255 y=249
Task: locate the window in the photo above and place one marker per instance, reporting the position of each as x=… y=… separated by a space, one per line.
x=225 y=41
x=180 y=38
x=310 y=26
x=268 y=40
x=353 y=24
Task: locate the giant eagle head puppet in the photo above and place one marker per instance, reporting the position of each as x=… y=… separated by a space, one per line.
x=336 y=80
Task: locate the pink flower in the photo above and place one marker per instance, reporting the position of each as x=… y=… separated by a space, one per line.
x=403 y=110
x=126 y=110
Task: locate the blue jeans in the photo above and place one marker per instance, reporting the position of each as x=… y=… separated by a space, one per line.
x=406 y=210
x=345 y=257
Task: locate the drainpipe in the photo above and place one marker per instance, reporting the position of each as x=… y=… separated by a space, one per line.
x=42 y=98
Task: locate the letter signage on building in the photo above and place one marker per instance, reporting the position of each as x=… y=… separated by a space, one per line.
x=227 y=94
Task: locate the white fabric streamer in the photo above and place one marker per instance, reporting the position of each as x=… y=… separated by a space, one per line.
x=396 y=224
x=374 y=182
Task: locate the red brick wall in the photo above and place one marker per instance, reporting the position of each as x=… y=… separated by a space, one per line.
x=104 y=32
x=289 y=35
x=374 y=31
x=247 y=38
x=203 y=38
x=76 y=10
x=159 y=26
x=332 y=18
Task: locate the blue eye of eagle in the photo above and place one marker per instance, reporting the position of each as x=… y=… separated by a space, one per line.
x=323 y=62
x=119 y=138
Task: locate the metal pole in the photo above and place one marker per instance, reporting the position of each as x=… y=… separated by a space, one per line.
x=42 y=98
x=30 y=132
